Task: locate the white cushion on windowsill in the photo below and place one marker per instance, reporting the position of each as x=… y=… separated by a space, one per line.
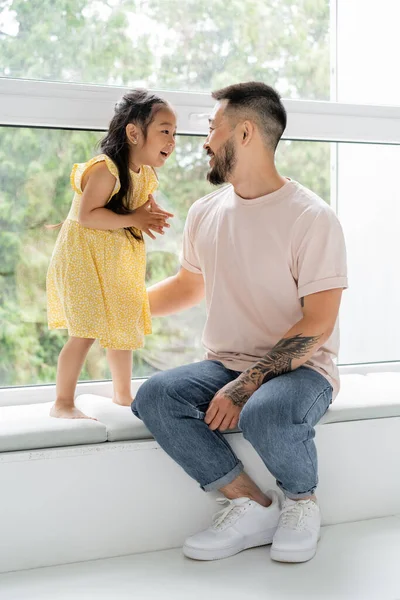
x=372 y=396
x=120 y=421
x=30 y=427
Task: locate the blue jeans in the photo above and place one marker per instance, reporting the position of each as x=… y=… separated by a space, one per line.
x=278 y=420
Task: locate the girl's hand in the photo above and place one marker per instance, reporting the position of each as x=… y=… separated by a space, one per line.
x=145 y=219
x=154 y=207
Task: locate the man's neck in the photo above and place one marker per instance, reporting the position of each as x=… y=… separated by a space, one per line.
x=254 y=181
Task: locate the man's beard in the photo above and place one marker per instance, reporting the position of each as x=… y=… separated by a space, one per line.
x=224 y=163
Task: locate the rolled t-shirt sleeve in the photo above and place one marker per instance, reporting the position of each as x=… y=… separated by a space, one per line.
x=188 y=257
x=321 y=256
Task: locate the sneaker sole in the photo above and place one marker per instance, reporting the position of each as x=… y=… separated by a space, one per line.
x=261 y=539
x=293 y=556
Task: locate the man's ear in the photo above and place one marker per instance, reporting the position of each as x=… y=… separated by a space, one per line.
x=246 y=132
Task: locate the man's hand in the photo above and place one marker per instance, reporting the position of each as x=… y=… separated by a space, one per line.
x=224 y=410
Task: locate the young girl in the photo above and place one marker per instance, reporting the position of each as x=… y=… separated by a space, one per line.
x=96 y=279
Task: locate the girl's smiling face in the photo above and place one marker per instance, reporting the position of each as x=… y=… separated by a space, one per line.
x=157 y=145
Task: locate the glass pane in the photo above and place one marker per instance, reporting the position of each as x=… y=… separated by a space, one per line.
x=369 y=210
x=367 y=47
x=309 y=163
x=34 y=173
x=34 y=190
x=170 y=44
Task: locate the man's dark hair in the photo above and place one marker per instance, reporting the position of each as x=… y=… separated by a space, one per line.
x=258 y=102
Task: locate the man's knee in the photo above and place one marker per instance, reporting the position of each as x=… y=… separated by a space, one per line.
x=248 y=420
x=263 y=417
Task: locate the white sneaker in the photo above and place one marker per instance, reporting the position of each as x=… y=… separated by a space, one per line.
x=298 y=531
x=242 y=524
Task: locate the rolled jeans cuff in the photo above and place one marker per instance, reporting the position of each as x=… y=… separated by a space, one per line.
x=297 y=496
x=225 y=480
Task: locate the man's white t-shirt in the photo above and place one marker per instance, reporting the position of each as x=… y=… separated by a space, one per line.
x=259 y=258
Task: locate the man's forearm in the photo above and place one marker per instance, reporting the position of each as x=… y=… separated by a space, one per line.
x=171 y=296
x=290 y=353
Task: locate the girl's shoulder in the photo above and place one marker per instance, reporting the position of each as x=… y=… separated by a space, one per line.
x=80 y=169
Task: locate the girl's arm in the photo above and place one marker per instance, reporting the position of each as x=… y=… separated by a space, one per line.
x=97 y=186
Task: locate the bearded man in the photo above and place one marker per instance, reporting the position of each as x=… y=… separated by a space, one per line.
x=269 y=256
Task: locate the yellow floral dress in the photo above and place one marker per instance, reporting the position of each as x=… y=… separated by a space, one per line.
x=96 y=279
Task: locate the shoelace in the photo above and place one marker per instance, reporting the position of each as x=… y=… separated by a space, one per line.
x=228 y=514
x=293 y=516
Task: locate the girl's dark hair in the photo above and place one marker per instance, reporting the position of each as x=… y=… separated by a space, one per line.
x=139 y=107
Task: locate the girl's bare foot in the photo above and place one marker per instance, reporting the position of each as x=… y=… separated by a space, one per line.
x=122 y=400
x=67 y=411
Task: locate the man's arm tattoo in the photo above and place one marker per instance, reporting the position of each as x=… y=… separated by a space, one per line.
x=238 y=396
x=279 y=360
